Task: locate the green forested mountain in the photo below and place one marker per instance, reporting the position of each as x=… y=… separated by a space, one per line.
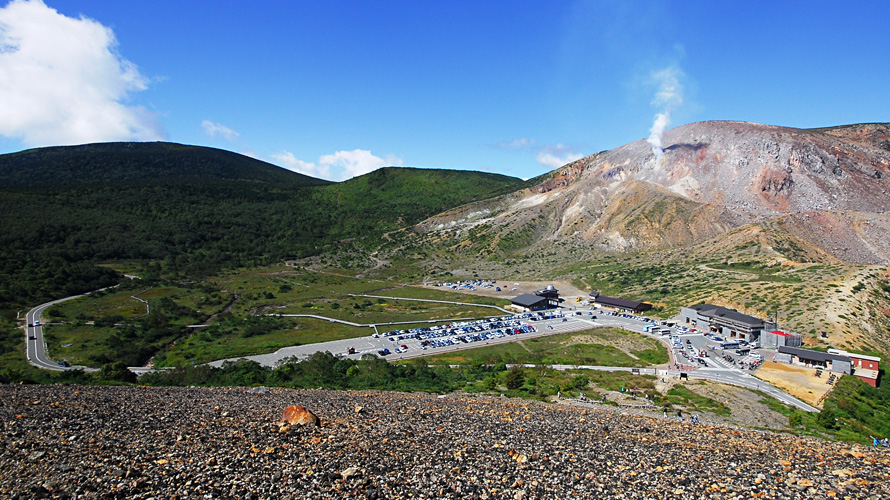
x=115 y=163
x=197 y=210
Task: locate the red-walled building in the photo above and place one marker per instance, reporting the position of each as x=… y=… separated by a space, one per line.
x=864 y=367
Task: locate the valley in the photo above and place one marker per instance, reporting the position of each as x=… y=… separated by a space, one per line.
x=238 y=258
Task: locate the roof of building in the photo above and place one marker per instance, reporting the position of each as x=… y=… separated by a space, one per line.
x=712 y=311
x=529 y=300
x=854 y=355
x=865 y=373
x=812 y=355
x=622 y=303
x=780 y=332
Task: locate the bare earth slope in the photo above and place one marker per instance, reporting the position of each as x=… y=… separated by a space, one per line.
x=828 y=189
x=130 y=442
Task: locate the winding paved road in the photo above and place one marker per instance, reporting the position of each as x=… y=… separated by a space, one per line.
x=35 y=345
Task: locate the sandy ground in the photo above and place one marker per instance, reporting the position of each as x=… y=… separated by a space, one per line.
x=798 y=381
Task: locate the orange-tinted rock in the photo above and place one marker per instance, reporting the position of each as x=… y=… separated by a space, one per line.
x=297 y=415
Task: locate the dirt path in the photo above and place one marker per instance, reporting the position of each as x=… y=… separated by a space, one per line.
x=522 y=344
x=568 y=292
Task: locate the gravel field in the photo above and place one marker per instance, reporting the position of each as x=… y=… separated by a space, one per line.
x=136 y=442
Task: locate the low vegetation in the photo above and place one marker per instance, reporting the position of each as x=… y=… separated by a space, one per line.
x=596 y=347
x=208 y=232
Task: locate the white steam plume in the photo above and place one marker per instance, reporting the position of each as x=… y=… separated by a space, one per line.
x=668 y=98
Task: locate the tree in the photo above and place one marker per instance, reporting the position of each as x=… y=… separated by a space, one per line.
x=117 y=372
x=827 y=418
x=515 y=378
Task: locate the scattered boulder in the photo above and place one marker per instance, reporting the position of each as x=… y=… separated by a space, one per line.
x=351 y=473
x=297 y=415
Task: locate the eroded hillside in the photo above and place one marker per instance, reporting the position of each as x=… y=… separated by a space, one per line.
x=827 y=188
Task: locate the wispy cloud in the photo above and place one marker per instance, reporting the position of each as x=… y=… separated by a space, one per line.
x=219 y=130
x=520 y=143
x=62 y=80
x=341 y=165
x=557 y=155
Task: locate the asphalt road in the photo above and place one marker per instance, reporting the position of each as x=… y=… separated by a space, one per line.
x=35 y=345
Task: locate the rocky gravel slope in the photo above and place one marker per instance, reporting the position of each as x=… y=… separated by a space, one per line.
x=132 y=442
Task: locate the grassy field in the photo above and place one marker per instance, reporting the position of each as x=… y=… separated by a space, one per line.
x=599 y=347
x=76 y=344
x=239 y=304
x=120 y=302
x=219 y=342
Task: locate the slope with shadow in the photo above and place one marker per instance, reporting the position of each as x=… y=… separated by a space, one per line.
x=193 y=210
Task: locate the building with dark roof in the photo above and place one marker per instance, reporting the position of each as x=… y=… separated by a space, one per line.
x=531 y=302
x=541 y=299
x=633 y=306
x=550 y=292
x=837 y=363
x=725 y=321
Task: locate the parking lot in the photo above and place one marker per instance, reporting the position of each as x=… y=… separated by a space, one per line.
x=689 y=349
x=401 y=344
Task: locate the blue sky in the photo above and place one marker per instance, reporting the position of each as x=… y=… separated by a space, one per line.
x=336 y=88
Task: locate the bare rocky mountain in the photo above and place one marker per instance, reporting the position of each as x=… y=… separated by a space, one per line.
x=824 y=193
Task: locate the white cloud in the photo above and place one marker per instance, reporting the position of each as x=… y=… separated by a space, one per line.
x=557 y=155
x=357 y=162
x=216 y=129
x=287 y=160
x=62 y=80
x=341 y=165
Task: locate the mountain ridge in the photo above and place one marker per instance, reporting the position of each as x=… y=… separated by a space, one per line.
x=139 y=162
